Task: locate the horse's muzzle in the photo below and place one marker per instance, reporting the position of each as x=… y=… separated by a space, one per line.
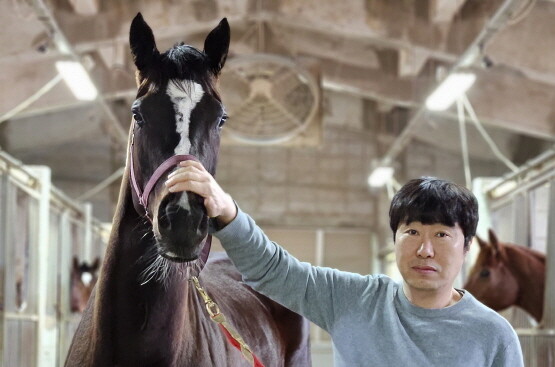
x=182 y=231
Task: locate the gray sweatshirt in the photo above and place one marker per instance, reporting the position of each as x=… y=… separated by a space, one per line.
x=369 y=318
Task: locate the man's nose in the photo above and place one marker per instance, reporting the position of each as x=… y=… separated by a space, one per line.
x=426 y=249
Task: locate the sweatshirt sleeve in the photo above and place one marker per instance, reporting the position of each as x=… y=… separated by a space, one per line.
x=510 y=356
x=314 y=292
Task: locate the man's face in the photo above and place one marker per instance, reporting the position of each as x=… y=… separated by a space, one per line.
x=429 y=256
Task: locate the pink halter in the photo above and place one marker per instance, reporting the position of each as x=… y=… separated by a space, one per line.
x=163 y=168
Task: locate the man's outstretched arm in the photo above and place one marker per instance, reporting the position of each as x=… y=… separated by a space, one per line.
x=314 y=292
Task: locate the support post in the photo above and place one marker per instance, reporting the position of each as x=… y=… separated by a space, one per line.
x=47 y=327
x=548 y=320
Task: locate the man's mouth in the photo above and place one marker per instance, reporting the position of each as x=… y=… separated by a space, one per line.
x=424 y=269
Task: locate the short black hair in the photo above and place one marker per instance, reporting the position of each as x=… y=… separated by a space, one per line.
x=430 y=200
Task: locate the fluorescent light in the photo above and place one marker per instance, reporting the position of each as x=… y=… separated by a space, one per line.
x=449 y=90
x=503 y=189
x=77 y=79
x=380 y=176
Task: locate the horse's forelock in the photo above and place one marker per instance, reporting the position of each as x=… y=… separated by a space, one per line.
x=148 y=84
x=184 y=62
x=181 y=62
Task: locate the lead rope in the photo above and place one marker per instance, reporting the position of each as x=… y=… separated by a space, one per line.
x=232 y=335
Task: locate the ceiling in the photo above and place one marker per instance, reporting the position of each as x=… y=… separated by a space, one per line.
x=387 y=53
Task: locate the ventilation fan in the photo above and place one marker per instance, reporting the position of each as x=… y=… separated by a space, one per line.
x=269 y=99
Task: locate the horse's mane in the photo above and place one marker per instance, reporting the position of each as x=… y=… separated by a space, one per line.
x=525 y=251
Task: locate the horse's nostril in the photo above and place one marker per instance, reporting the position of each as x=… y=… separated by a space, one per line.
x=169 y=215
x=164 y=221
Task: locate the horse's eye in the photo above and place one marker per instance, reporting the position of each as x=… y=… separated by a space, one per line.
x=138 y=119
x=484 y=273
x=223 y=119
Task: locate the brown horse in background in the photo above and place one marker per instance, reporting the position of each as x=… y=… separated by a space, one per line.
x=507 y=275
x=144 y=310
x=83 y=279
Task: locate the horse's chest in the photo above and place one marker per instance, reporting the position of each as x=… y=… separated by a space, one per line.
x=176 y=334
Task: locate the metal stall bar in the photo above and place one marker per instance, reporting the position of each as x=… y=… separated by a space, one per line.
x=87 y=253
x=66 y=317
x=545 y=162
x=47 y=328
x=3 y=255
x=548 y=320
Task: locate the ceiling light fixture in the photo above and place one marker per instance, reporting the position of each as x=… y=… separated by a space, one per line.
x=77 y=79
x=380 y=176
x=452 y=87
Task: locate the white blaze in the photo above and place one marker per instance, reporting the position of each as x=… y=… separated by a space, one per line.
x=86 y=278
x=184 y=99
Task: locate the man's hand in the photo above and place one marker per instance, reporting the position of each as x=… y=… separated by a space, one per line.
x=192 y=176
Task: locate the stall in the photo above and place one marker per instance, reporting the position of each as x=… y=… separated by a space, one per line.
x=41 y=231
x=521 y=210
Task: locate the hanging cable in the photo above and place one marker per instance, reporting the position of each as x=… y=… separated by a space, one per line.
x=102 y=185
x=486 y=136
x=523 y=13
x=464 y=142
x=29 y=101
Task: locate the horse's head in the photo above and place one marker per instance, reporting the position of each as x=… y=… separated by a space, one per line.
x=490 y=279
x=83 y=280
x=177 y=112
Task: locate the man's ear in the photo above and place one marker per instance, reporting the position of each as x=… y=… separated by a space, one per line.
x=143 y=46
x=216 y=46
x=467 y=247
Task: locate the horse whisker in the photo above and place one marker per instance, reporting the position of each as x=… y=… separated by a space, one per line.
x=147 y=233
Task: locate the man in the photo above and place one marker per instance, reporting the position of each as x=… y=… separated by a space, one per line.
x=374 y=321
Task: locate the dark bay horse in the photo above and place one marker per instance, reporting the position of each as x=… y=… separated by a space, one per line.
x=83 y=278
x=507 y=275
x=145 y=311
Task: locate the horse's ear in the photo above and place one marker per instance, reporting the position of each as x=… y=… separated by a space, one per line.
x=75 y=263
x=483 y=244
x=95 y=264
x=497 y=246
x=141 y=41
x=493 y=238
x=216 y=46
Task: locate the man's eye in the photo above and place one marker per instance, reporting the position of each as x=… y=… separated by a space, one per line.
x=441 y=234
x=412 y=232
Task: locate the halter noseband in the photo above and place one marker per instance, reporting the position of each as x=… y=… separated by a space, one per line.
x=163 y=168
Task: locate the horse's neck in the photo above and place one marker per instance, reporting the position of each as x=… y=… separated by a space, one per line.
x=529 y=269
x=144 y=315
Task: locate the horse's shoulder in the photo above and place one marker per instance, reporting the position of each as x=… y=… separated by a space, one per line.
x=221 y=275
x=218 y=256
x=220 y=264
